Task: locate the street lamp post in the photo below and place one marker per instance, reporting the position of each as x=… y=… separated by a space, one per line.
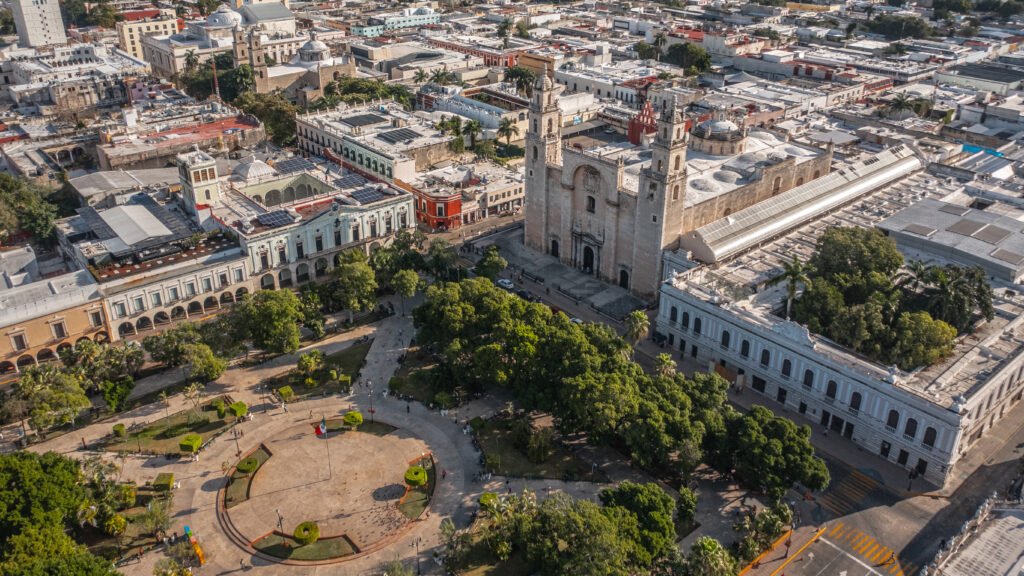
x=238 y=449
x=416 y=543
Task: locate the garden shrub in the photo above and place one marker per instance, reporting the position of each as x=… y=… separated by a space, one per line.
x=311 y=382
x=125 y=496
x=492 y=462
x=218 y=404
x=444 y=400
x=164 y=482
x=115 y=525
x=239 y=409
x=248 y=465
x=120 y=431
x=191 y=443
x=488 y=501
x=344 y=382
x=352 y=419
x=307 y=533
x=415 y=476
x=286 y=393
x=396 y=384
x=478 y=424
x=541 y=446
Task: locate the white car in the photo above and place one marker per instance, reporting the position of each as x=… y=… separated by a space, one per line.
x=575 y=320
x=505 y=283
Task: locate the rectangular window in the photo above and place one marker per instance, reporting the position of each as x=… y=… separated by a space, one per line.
x=140 y=303
x=207 y=284
x=223 y=279
x=155 y=299
x=337 y=238
x=19 y=342
x=282 y=255
x=239 y=275
x=59 y=331
x=172 y=294
x=319 y=243
x=373 y=229
x=440 y=211
x=299 y=250
x=190 y=289
x=119 y=310
x=264 y=261
x=96 y=318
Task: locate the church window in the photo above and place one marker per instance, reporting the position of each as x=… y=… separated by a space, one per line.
x=660 y=166
x=551 y=126
x=591 y=204
x=675 y=192
x=677 y=162
x=776 y=185
x=534 y=152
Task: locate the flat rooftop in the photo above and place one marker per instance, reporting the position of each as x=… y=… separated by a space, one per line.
x=195 y=133
x=46 y=296
x=975 y=356
x=386 y=128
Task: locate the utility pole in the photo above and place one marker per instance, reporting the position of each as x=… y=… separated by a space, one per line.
x=216 y=85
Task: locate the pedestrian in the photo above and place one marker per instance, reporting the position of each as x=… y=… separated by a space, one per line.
x=444 y=474
x=241 y=564
x=285 y=406
x=407 y=409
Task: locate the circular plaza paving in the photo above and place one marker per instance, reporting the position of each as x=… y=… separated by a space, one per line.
x=349 y=483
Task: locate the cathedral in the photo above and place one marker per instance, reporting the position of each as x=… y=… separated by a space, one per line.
x=303 y=79
x=613 y=209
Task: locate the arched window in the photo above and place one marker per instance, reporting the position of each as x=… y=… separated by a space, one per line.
x=673 y=313
x=677 y=162
x=808 y=378
x=591 y=204
x=855 y=402
x=725 y=338
x=660 y=166
x=535 y=153
x=745 y=348
x=831 y=389
x=551 y=125
x=686 y=321
x=787 y=368
x=765 y=358
x=893 y=420
x=929 y=437
x=910 y=430
x=675 y=192
x=799 y=181
x=817 y=173
x=696 y=325
x=776 y=185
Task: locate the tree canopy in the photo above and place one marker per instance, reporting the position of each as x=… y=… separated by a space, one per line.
x=270 y=320
x=275 y=112
x=24 y=206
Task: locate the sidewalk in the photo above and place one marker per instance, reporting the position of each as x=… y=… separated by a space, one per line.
x=775 y=560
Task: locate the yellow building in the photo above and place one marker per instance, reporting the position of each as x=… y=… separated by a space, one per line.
x=131 y=32
x=43 y=317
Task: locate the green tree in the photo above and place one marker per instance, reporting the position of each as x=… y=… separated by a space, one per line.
x=646 y=51
x=507 y=129
x=405 y=283
x=312 y=312
x=664 y=365
x=7 y=22
x=310 y=363
x=899 y=27
x=689 y=56
x=522 y=29
x=191 y=60
x=707 y=557
x=203 y=364
x=577 y=537
x=24 y=206
x=271 y=319
x=686 y=507
x=440 y=258
x=47 y=549
x=157 y=516
x=275 y=112
x=170 y=347
x=653 y=509
x=471 y=130
x=51 y=396
x=637 y=326
x=116 y=392
x=794 y=273
x=420 y=77
x=355 y=284
x=522 y=78
x=491 y=263
x=505 y=28
x=244 y=80
x=660 y=39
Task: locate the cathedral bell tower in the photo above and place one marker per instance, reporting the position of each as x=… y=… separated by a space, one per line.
x=543 y=147
x=662 y=193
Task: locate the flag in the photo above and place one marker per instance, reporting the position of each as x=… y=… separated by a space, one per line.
x=321 y=428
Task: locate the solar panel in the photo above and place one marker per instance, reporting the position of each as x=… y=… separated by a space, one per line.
x=367 y=195
x=349 y=181
x=400 y=135
x=292 y=165
x=275 y=219
x=360 y=120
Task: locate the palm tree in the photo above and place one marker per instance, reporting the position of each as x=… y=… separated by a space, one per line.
x=455 y=125
x=244 y=79
x=522 y=78
x=507 y=128
x=899 y=104
x=167 y=403
x=420 y=77
x=949 y=297
x=793 y=273
x=191 y=60
x=664 y=365
x=917 y=275
x=193 y=393
x=637 y=326
x=471 y=130
x=505 y=28
x=660 y=39
x=439 y=76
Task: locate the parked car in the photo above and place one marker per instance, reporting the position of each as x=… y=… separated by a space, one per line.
x=505 y=283
x=576 y=320
x=524 y=294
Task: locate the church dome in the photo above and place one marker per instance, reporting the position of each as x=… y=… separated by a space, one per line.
x=224 y=17
x=314 y=50
x=251 y=169
x=718 y=127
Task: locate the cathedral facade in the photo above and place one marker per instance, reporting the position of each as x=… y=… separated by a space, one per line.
x=611 y=211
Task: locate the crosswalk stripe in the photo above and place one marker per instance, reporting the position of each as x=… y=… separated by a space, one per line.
x=864 y=546
x=860 y=541
x=895 y=567
x=843 y=531
x=871 y=551
x=853 y=535
x=883 y=552
x=836 y=528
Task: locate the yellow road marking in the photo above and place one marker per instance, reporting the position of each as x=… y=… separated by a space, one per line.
x=882 y=553
x=871 y=551
x=864 y=545
x=836 y=528
x=798 y=552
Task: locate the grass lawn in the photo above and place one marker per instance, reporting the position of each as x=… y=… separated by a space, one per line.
x=375 y=428
x=282 y=546
x=134 y=536
x=405 y=381
x=347 y=361
x=164 y=435
x=496 y=438
x=417 y=499
x=238 y=485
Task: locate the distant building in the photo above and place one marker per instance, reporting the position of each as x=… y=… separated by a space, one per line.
x=380 y=24
x=38 y=22
x=131 y=32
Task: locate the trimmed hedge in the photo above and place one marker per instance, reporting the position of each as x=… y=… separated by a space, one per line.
x=191 y=443
x=120 y=431
x=416 y=476
x=218 y=404
x=286 y=393
x=164 y=481
x=352 y=418
x=307 y=533
x=239 y=409
x=248 y=465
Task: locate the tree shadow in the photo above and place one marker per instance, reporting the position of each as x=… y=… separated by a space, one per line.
x=214 y=484
x=389 y=492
